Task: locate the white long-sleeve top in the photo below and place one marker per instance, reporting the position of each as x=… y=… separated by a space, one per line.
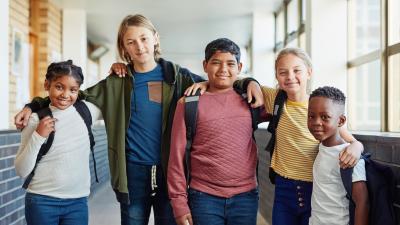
x=64 y=171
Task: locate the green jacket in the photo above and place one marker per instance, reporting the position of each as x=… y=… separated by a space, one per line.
x=113 y=96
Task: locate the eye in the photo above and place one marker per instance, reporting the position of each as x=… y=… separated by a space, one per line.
x=144 y=38
x=325 y=117
x=297 y=71
x=231 y=64
x=59 y=87
x=74 y=90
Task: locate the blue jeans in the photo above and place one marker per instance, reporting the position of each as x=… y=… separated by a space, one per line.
x=240 y=209
x=46 y=210
x=142 y=197
x=292 y=203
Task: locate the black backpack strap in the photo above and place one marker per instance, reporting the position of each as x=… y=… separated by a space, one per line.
x=84 y=112
x=43 y=149
x=191 y=105
x=273 y=124
x=347 y=179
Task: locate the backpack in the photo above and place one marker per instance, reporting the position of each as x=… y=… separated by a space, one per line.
x=273 y=124
x=381 y=188
x=84 y=112
x=191 y=106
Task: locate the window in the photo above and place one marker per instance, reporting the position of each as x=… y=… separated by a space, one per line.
x=394 y=96
x=394 y=21
x=374 y=65
x=364 y=97
x=293 y=16
x=364 y=27
x=289 y=22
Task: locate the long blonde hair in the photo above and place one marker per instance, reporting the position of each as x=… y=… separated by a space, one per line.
x=297 y=52
x=139 y=21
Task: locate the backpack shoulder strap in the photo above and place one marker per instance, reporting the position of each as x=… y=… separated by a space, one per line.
x=44 y=148
x=84 y=112
x=276 y=114
x=191 y=106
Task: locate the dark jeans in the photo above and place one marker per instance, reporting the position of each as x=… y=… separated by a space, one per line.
x=292 y=203
x=142 y=197
x=240 y=209
x=46 y=210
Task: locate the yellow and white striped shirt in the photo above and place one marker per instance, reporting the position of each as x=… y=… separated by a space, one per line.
x=295 y=147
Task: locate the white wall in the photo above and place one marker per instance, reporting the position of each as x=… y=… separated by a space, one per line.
x=107 y=60
x=327 y=33
x=75 y=38
x=4 y=60
x=263 y=45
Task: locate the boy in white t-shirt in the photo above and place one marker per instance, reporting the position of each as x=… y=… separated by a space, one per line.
x=329 y=204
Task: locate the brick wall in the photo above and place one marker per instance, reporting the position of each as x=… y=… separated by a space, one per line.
x=19 y=20
x=43 y=20
x=11 y=193
x=384 y=149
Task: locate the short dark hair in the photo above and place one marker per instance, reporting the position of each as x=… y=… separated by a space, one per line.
x=59 y=69
x=223 y=45
x=332 y=93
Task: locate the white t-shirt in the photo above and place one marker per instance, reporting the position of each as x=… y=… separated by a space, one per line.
x=329 y=204
x=64 y=171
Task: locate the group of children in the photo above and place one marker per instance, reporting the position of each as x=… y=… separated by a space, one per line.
x=146 y=134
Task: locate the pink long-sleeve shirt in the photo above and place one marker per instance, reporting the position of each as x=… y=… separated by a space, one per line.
x=223 y=155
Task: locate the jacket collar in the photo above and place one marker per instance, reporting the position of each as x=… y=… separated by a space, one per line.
x=169 y=69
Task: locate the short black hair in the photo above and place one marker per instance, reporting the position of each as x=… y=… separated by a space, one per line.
x=59 y=69
x=332 y=93
x=223 y=45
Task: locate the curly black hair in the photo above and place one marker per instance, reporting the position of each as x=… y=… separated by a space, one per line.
x=59 y=69
x=223 y=45
x=332 y=93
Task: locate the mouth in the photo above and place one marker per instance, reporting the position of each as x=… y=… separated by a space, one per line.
x=63 y=102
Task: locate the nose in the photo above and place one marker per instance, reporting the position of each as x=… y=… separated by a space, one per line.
x=223 y=67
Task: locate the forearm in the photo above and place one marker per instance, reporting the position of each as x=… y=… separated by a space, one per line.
x=177 y=186
x=360 y=198
x=27 y=153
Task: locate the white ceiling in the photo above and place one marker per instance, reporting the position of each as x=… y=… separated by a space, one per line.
x=185 y=26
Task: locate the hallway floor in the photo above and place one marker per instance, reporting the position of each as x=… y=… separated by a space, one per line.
x=104 y=208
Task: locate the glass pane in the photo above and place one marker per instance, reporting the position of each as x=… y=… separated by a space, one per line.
x=364 y=97
x=304 y=11
x=364 y=27
x=394 y=93
x=303 y=40
x=293 y=16
x=280 y=27
x=293 y=43
x=394 y=21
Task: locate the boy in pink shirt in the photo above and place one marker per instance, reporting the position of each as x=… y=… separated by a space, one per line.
x=223 y=185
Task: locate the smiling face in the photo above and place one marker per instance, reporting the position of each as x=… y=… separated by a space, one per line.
x=63 y=91
x=292 y=74
x=324 y=119
x=222 y=70
x=139 y=42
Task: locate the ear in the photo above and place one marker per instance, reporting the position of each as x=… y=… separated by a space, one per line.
x=46 y=85
x=205 y=66
x=342 y=120
x=240 y=65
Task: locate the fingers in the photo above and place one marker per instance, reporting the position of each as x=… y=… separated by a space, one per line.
x=119 y=69
x=249 y=96
x=22 y=118
x=188 y=91
x=347 y=160
x=189 y=219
